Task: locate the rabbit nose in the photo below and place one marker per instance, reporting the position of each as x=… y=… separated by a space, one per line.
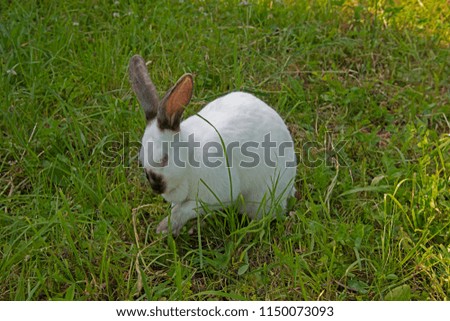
x=157 y=182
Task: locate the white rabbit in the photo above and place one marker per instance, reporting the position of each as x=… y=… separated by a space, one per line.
x=258 y=167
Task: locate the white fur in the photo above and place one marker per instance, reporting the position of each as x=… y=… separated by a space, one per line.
x=238 y=117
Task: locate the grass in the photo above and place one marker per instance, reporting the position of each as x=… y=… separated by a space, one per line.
x=363 y=86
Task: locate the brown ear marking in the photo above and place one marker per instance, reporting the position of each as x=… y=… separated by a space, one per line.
x=181 y=95
x=173 y=103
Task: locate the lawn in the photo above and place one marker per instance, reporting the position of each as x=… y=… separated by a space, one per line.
x=363 y=86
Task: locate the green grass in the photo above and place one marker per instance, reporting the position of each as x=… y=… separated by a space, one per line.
x=369 y=78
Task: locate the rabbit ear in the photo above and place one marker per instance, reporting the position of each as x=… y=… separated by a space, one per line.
x=143 y=87
x=173 y=103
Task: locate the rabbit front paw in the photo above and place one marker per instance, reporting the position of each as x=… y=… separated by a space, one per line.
x=163 y=227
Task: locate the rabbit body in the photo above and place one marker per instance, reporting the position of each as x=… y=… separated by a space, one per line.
x=257 y=164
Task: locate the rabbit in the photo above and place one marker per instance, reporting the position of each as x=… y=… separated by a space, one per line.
x=257 y=165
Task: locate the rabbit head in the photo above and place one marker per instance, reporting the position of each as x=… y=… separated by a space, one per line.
x=163 y=124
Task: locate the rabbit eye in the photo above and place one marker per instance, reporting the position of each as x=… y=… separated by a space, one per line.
x=164 y=161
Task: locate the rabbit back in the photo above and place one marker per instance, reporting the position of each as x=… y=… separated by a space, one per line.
x=241 y=118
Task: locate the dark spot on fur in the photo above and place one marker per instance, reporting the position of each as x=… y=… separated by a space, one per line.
x=156 y=181
x=165 y=123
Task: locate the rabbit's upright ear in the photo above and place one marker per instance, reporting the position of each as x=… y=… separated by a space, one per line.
x=143 y=87
x=173 y=103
